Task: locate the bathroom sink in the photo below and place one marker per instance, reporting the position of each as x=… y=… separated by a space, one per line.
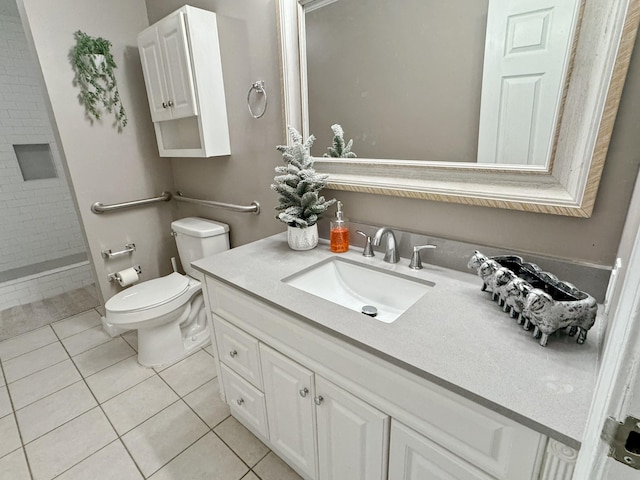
x=355 y=286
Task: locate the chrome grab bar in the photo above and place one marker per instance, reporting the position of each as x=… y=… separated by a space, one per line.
x=99 y=207
x=253 y=208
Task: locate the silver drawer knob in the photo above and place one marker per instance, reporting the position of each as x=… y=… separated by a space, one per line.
x=240 y=401
x=164 y=105
x=170 y=103
x=233 y=353
x=319 y=399
x=303 y=392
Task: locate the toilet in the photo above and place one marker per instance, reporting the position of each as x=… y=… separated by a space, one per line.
x=169 y=311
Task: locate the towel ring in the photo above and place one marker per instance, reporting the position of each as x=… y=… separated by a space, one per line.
x=259 y=88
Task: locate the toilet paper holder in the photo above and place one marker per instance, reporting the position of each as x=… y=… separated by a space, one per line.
x=112 y=276
x=128 y=248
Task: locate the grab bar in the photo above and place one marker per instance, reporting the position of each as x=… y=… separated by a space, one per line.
x=253 y=208
x=99 y=207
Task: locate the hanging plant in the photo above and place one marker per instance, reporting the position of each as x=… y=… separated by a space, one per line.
x=94 y=67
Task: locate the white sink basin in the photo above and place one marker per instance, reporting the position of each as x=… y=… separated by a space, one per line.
x=355 y=286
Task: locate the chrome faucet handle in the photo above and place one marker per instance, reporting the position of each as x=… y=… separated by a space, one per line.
x=416 y=261
x=368 y=249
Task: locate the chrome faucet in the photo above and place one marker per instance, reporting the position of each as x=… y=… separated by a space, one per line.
x=391 y=253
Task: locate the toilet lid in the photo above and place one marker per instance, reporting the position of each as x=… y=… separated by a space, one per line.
x=149 y=294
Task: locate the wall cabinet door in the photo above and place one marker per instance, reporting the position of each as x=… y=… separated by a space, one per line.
x=172 y=33
x=153 y=71
x=166 y=65
x=414 y=457
x=352 y=435
x=289 y=394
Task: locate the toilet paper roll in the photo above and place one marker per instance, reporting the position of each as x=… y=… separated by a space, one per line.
x=127 y=277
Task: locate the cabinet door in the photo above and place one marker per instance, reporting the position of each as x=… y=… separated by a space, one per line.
x=153 y=71
x=172 y=33
x=352 y=436
x=414 y=457
x=289 y=393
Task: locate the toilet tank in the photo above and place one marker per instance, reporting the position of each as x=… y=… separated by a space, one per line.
x=197 y=238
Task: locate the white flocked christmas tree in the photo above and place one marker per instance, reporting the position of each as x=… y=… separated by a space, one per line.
x=299 y=185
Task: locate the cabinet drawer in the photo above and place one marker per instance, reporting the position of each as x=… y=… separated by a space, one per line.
x=414 y=457
x=246 y=402
x=238 y=350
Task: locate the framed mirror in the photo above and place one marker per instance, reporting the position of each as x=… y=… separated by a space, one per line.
x=597 y=52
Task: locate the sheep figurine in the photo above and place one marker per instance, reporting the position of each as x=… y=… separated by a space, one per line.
x=549 y=315
x=502 y=279
x=487 y=272
x=515 y=297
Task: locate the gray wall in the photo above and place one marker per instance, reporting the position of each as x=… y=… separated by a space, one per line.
x=104 y=165
x=250 y=52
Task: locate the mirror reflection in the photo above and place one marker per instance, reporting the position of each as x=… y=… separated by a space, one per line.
x=476 y=81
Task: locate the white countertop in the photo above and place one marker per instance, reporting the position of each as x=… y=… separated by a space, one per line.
x=454 y=335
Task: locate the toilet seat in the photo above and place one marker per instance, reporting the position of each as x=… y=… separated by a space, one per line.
x=150 y=301
x=149 y=294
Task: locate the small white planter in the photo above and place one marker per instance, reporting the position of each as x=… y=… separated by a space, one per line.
x=302 y=238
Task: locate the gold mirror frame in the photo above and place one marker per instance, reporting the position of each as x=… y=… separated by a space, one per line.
x=569 y=186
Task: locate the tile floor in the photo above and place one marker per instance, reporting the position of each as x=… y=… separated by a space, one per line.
x=75 y=404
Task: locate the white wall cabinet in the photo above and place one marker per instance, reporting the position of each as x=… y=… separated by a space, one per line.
x=182 y=69
x=334 y=411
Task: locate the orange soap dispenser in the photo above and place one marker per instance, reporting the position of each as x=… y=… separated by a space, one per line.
x=339 y=233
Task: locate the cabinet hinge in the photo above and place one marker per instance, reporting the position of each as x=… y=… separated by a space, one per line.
x=623 y=439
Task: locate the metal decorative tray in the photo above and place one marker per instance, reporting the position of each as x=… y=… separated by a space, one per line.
x=536 y=298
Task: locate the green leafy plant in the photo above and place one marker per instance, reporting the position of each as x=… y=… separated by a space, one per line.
x=299 y=185
x=339 y=149
x=94 y=66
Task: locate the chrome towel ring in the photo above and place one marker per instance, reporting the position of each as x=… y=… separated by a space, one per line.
x=259 y=88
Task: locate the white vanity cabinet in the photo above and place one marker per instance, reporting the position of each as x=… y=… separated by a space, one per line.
x=336 y=411
x=347 y=436
x=181 y=64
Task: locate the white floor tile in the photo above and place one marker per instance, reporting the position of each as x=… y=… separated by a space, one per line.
x=103 y=356
x=207 y=458
x=76 y=324
x=14 y=466
x=5 y=403
x=250 y=476
x=26 y=342
x=190 y=373
x=52 y=411
x=242 y=441
x=273 y=468
x=117 y=378
x=83 y=341
x=69 y=444
x=24 y=365
x=209 y=350
x=111 y=463
x=139 y=403
x=161 y=438
x=40 y=384
x=2 y=382
x=206 y=402
x=169 y=365
x=131 y=338
x=9 y=437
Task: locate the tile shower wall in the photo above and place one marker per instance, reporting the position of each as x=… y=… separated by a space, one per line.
x=37 y=219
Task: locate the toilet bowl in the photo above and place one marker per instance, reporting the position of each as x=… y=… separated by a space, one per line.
x=169 y=312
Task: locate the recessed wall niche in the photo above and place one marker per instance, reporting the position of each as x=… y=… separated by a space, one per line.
x=35 y=161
